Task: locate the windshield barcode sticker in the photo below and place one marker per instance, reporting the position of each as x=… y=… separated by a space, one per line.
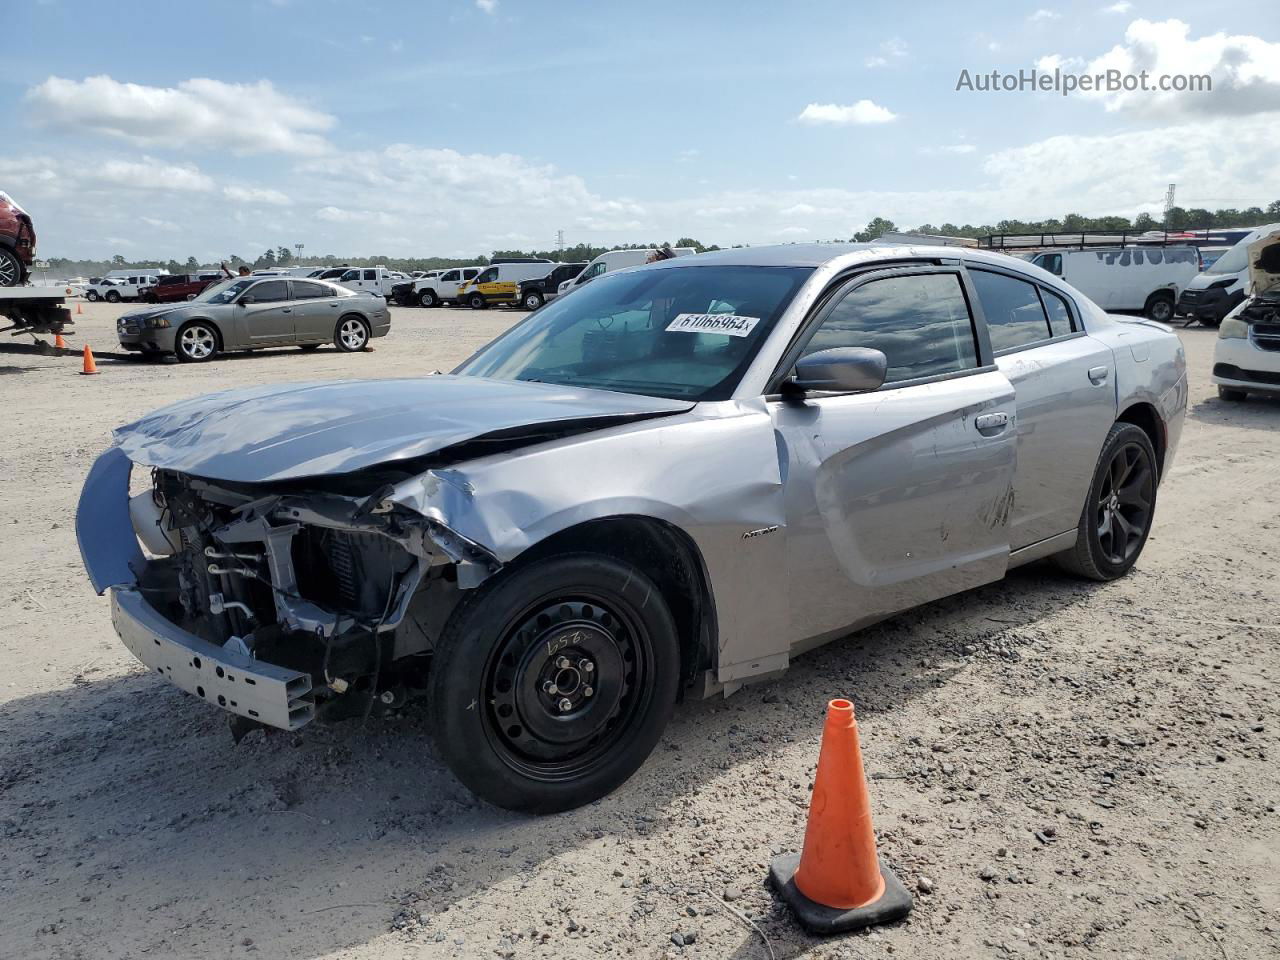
x=729 y=324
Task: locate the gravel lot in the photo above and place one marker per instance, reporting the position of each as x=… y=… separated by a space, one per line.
x=1067 y=769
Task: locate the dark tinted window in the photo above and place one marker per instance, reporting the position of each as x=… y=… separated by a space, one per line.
x=1052 y=262
x=920 y=322
x=489 y=276
x=270 y=291
x=170 y=281
x=371 y=275
x=305 y=290
x=1059 y=316
x=1014 y=315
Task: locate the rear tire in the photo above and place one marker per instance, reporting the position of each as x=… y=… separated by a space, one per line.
x=113 y=296
x=1159 y=307
x=533 y=300
x=351 y=334
x=552 y=683
x=1119 y=508
x=1232 y=395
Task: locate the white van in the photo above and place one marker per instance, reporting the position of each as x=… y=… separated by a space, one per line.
x=1138 y=277
x=500 y=282
x=615 y=260
x=1224 y=283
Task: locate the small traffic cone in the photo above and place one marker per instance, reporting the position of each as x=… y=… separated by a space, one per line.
x=89 y=366
x=78 y=310
x=58 y=342
x=837 y=883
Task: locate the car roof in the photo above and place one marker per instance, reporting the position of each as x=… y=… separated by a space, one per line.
x=838 y=255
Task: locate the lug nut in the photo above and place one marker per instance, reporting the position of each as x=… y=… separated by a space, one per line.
x=563 y=663
x=587 y=691
x=565 y=705
x=550 y=689
x=585 y=665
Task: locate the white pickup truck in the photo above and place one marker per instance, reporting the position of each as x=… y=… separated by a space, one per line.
x=115 y=289
x=431 y=291
x=375 y=280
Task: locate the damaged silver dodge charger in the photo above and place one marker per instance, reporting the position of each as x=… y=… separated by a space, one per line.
x=669 y=483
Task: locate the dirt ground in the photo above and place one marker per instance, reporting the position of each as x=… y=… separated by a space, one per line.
x=1060 y=768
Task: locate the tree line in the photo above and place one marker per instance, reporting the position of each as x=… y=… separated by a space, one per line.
x=1179 y=218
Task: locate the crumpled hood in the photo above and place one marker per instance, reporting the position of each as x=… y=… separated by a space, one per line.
x=290 y=431
x=1264 y=264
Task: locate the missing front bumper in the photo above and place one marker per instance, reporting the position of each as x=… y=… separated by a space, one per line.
x=271 y=695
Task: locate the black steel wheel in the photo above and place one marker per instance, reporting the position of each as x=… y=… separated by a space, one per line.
x=1117 y=515
x=552 y=684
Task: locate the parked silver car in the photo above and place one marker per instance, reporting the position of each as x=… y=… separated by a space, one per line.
x=675 y=480
x=248 y=313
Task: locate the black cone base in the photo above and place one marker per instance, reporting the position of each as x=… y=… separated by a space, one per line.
x=894 y=903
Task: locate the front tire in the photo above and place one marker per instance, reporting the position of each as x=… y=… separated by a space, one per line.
x=551 y=684
x=427 y=298
x=533 y=300
x=1232 y=395
x=196 y=342
x=92 y=296
x=10 y=269
x=1159 y=307
x=1119 y=509
x=351 y=335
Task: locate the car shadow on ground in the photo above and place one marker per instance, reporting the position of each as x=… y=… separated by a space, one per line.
x=130 y=819
x=1259 y=411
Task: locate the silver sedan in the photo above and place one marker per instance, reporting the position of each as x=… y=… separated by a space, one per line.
x=677 y=479
x=248 y=313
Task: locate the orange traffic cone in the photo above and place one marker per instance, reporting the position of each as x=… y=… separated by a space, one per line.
x=837 y=883
x=58 y=342
x=89 y=365
x=78 y=310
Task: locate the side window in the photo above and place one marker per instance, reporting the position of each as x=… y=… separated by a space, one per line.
x=371 y=274
x=305 y=290
x=451 y=275
x=1053 y=263
x=1059 y=316
x=269 y=291
x=489 y=276
x=594 y=271
x=1014 y=315
x=920 y=322
x=350 y=275
x=469 y=274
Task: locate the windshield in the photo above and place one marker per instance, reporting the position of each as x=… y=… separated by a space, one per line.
x=1234 y=260
x=226 y=291
x=685 y=333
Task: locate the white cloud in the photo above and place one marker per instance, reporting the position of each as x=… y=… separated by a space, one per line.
x=862 y=112
x=1053 y=61
x=1245 y=71
x=799 y=210
x=1121 y=7
x=1042 y=16
x=487 y=6
x=255 y=195
x=196 y=114
x=891 y=49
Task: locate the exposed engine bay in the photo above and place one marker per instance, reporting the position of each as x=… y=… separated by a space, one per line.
x=351 y=591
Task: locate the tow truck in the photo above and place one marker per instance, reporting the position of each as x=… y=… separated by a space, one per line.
x=35 y=311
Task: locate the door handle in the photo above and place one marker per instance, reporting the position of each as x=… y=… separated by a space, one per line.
x=991 y=424
x=1098 y=375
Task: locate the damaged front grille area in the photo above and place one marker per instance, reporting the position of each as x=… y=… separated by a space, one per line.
x=317 y=583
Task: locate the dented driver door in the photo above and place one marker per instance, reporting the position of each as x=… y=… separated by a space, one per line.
x=901 y=495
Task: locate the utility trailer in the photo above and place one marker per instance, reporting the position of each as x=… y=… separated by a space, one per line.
x=35 y=310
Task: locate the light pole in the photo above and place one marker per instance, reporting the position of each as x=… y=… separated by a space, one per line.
x=298 y=247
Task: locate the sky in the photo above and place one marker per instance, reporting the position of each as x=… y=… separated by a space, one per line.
x=457 y=127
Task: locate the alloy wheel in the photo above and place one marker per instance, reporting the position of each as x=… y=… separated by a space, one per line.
x=353 y=334
x=1124 y=503
x=197 y=342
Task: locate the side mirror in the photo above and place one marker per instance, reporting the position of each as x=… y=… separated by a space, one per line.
x=844 y=369
x=245 y=301
x=191 y=296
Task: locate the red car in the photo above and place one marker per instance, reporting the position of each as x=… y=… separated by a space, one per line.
x=177 y=287
x=17 y=242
